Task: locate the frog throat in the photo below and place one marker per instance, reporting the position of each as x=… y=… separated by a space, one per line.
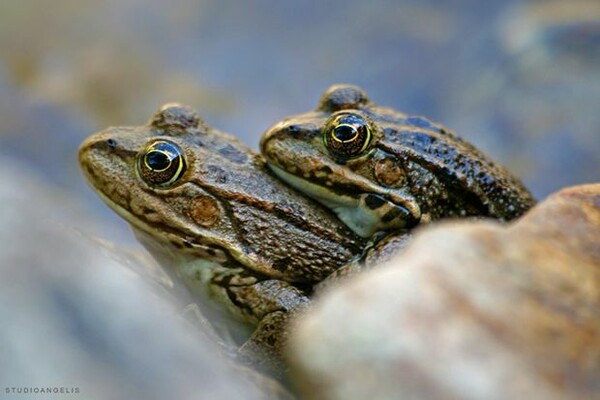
x=365 y=213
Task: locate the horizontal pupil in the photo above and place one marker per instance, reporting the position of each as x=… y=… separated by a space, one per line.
x=157 y=160
x=344 y=132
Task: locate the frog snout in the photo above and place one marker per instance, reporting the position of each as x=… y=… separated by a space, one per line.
x=98 y=142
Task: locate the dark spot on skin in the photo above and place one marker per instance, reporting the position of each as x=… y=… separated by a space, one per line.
x=390 y=215
x=225 y=280
x=293 y=128
x=326 y=169
x=373 y=201
x=111 y=143
x=233 y=154
x=395 y=213
x=390 y=132
x=419 y=122
x=271 y=340
x=91 y=172
x=486 y=179
x=217 y=174
x=246 y=250
x=422 y=140
x=234 y=299
x=281 y=264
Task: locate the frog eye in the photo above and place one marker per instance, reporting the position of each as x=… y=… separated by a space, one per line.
x=347 y=135
x=161 y=163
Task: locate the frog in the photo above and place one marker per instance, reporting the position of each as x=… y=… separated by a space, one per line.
x=206 y=206
x=384 y=172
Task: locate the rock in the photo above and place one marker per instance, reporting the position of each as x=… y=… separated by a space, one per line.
x=83 y=318
x=470 y=310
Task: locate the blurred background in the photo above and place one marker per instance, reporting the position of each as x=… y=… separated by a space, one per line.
x=520 y=79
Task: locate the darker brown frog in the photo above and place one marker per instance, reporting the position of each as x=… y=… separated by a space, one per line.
x=381 y=170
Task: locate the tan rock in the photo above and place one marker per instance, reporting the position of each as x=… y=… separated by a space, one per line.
x=470 y=310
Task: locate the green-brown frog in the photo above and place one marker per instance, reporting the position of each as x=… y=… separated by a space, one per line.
x=208 y=208
x=383 y=171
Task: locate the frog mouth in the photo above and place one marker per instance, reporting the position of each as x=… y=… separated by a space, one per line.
x=366 y=212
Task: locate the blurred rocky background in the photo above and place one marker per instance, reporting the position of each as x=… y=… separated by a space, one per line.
x=520 y=79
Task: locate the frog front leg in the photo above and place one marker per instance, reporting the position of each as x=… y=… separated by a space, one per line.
x=270 y=303
x=382 y=248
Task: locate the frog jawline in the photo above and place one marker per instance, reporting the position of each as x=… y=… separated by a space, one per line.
x=175 y=257
x=363 y=222
x=168 y=251
x=180 y=268
x=193 y=272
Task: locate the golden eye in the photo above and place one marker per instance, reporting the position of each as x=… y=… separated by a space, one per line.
x=161 y=163
x=347 y=135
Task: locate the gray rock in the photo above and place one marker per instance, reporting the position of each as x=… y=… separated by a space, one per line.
x=83 y=318
x=470 y=310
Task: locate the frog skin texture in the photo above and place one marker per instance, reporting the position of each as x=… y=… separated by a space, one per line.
x=383 y=172
x=212 y=213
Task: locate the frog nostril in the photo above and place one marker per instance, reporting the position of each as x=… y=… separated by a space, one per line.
x=111 y=143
